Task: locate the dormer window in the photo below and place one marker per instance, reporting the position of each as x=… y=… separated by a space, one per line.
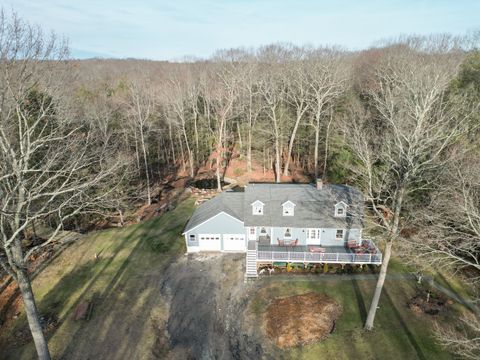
x=288 y=208
x=341 y=209
x=257 y=207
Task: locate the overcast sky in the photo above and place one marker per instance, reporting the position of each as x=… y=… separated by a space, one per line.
x=167 y=30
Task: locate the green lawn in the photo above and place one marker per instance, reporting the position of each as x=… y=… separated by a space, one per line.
x=399 y=332
x=124 y=282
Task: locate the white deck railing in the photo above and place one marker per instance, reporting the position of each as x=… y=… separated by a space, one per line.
x=325 y=257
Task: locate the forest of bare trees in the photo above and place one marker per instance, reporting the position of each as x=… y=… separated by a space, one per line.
x=399 y=121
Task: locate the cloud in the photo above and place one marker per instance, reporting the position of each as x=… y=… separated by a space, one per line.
x=166 y=29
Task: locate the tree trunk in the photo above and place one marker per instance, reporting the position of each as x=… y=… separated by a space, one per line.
x=292 y=140
x=315 y=155
x=32 y=315
x=120 y=213
x=379 y=287
x=249 y=151
x=189 y=151
x=277 y=160
x=240 y=142
x=327 y=139
x=147 y=174
x=171 y=143
x=386 y=258
x=219 y=153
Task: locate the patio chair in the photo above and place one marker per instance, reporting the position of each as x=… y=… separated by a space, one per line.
x=353 y=244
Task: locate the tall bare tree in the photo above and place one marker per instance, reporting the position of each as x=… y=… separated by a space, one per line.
x=47 y=172
x=328 y=72
x=401 y=139
x=296 y=95
x=141 y=105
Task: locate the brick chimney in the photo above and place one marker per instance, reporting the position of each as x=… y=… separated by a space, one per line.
x=319 y=184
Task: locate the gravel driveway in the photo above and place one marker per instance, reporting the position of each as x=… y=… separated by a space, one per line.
x=207 y=317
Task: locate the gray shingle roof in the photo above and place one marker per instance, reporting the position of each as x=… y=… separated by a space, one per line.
x=313 y=208
x=228 y=201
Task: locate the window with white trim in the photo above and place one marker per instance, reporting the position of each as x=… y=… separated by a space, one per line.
x=339 y=234
x=192 y=238
x=257 y=208
x=252 y=231
x=341 y=209
x=288 y=208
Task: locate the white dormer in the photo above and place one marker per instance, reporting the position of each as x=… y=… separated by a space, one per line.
x=341 y=209
x=288 y=208
x=257 y=207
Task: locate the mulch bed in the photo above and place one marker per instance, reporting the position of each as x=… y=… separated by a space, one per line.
x=428 y=303
x=301 y=319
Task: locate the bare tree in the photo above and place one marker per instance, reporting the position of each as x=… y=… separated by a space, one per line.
x=250 y=100
x=401 y=140
x=141 y=104
x=327 y=76
x=272 y=90
x=296 y=95
x=179 y=95
x=47 y=172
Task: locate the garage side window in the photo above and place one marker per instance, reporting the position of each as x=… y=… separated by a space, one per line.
x=192 y=238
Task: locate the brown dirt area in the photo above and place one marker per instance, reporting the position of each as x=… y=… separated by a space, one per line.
x=301 y=319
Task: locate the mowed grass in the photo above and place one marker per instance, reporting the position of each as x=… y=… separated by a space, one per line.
x=399 y=332
x=124 y=283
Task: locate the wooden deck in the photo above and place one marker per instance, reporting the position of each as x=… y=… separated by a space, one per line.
x=302 y=254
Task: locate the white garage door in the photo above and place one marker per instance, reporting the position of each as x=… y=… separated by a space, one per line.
x=234 y=242
x=209 y=242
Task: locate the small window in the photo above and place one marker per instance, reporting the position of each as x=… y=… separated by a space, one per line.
x=341 y=209
x=288 y=208
x=258 y=210
x=288 y=233
x=339 y=234
x=252 y=231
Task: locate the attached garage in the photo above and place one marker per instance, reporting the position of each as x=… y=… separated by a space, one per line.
x=210 y=242
x=234 y=242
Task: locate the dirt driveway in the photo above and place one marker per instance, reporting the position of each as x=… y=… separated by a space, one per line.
x=208 y=316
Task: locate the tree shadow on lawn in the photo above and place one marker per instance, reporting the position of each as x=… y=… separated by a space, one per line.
x=118 y=321
x=362 y=308
x=411 y=337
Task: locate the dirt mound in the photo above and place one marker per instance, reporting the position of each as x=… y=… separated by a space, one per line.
x=301 y=319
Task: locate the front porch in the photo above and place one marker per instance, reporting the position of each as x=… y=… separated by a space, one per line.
x=259 y=253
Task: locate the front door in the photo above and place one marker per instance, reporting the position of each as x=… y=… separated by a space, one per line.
x=252 y=233
x=314 y=236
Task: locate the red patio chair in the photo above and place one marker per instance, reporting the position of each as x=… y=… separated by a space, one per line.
x=352 y=244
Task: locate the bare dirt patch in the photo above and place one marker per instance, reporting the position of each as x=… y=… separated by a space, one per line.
x=301 y=319
x=428 y=302
x=207 y=310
